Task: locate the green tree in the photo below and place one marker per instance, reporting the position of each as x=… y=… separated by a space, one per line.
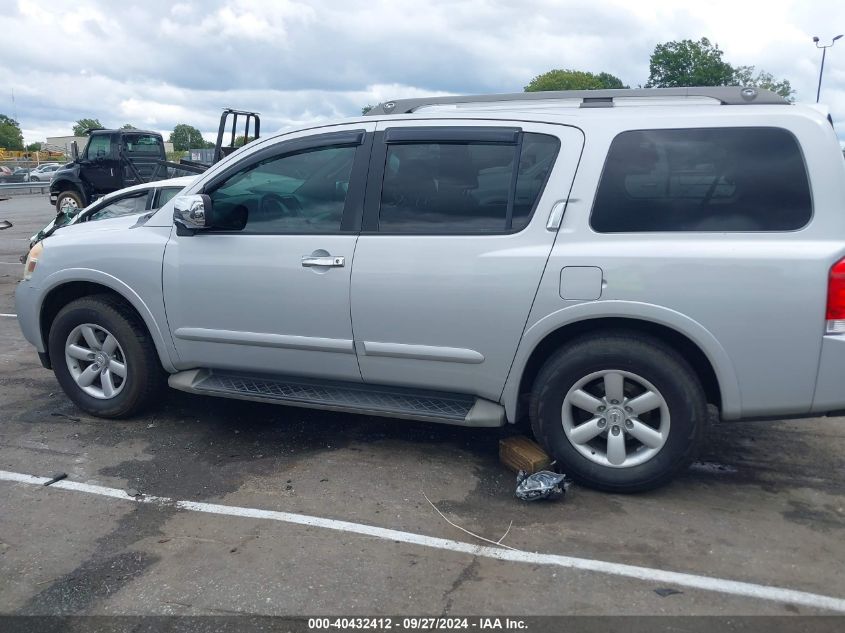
x=34 y=147
x=744 y=76
x=83 y=125
x=688 y=63
x=241 y=140
x=11 y=136
x=367 y=108
x=186 y=137
x=566 y=79
x=128 y=126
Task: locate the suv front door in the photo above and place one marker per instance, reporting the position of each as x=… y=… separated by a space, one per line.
x=453 y=246
x=274 y=297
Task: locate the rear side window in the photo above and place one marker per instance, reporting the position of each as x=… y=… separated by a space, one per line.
x=143 y=145
x=716 y=179
x=128 y=205
x=464 y=187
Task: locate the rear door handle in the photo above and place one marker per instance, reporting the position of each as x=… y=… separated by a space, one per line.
x=309 y=261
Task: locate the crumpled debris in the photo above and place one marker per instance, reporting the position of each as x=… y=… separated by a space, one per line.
x=5 y=224
x=664 y=592
x=541 y=485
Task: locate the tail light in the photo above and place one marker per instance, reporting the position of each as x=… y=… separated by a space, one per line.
x=836 y=299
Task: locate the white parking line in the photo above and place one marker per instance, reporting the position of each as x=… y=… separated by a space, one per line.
x=11 y=264
x=656 y=576
x=14 y=316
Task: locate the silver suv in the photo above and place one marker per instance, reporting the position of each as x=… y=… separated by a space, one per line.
x=605 y=264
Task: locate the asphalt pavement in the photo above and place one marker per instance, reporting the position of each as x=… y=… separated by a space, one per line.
x=274 y=510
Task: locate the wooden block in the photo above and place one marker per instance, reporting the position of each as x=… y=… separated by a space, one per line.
x=520 y=453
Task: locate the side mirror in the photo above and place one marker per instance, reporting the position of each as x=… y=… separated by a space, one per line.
x=195 y=212
x=192 y=212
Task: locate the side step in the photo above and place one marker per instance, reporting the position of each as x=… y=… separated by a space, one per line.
x=394 y=402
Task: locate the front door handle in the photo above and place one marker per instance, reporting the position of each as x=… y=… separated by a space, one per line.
x=309 y=261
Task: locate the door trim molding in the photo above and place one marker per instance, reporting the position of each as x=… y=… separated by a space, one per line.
x=422 y=352
x=258 y=339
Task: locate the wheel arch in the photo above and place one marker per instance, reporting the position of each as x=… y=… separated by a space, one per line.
x=62 y=292
x=700 y=348
x=58 y=187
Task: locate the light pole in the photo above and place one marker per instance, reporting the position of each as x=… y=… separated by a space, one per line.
x=824 y=52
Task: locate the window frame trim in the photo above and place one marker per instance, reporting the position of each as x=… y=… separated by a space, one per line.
x=442 y=135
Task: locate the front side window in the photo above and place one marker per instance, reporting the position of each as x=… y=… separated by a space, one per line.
x=303 y=192
x=464 y=187
x=711 y=179
x=98 y=146
x=128 y=205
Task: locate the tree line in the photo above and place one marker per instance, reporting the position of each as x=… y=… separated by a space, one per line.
x=674 y=64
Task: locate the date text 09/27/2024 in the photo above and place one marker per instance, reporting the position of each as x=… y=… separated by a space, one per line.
x=416 y=624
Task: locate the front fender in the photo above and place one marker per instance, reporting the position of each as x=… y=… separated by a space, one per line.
x=697 y=333
x=163 y=344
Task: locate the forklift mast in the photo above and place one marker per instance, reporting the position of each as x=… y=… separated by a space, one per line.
x=250 y=119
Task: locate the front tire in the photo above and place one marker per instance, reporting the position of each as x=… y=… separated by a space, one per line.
x=103 y=357
x=621 y=412
x=68 y=201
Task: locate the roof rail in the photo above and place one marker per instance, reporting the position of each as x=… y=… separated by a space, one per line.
x=726 y=95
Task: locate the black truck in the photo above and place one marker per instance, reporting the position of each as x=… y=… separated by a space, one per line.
x=115 y=159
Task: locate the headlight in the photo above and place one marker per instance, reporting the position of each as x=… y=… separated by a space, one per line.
x=32 y=260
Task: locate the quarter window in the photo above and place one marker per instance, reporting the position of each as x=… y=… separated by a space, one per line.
x=464 y=187
x=303 y=192
x=715 y=179
x=165 y=195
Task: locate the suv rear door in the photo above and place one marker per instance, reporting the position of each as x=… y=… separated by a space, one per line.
x=274 y=297
x=453 y=245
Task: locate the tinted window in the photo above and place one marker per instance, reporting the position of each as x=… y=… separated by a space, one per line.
x=143 y=144
x=719 y=179
x=294 y=193
x=463 y=187
x=128 y=205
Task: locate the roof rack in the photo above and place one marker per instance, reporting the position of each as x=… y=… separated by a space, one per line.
x=725 y=95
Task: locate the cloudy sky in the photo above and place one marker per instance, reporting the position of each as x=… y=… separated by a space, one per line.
x=156 y=63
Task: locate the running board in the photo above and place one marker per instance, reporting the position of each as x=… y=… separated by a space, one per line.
x=394 y=402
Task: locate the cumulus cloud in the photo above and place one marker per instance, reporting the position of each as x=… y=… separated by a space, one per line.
x=159 y=63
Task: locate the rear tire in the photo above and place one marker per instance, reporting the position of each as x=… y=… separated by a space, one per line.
x=584 y=410
x=103 y=357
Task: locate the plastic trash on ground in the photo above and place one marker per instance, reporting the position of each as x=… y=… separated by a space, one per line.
x=541 y=485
